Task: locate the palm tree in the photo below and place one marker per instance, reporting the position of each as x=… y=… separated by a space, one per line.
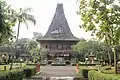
x=22 y=17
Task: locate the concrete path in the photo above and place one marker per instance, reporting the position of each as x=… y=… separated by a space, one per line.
x=58 y=71
x=55 y=73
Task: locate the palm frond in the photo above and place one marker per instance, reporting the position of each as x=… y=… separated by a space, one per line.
x=25 y=23
x=29 y=17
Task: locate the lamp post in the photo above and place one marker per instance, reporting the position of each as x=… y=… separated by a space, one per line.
x=91 y=57
x=86 y=59
x=21 y=62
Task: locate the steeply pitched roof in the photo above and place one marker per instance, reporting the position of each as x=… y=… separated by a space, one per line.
x=25 y=54
x=7 y=49
x=59 y=28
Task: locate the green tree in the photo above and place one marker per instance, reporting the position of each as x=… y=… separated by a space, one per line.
x=86 y=47
x=28 y=45
x=37 y=35
x=102 y=17
x=34 y=49
x=6 y=22
x=22 y=17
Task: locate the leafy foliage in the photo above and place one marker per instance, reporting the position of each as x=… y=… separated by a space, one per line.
x=6 y=22
x=11 y=75
x=28 y=72
x=37 y=35
x=27 y=45
x=22 y=17
x=86 y=47
x=102 y=17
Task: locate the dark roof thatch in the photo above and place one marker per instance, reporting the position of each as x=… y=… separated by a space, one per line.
x=7 y=49
x=59 y=28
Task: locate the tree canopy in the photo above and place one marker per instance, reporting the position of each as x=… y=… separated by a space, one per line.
x=6 y=22
x=102 y=17
x=86 y=47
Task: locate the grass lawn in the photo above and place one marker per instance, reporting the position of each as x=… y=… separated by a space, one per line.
x=104 y=69
x=7 y=67
x=15 y=66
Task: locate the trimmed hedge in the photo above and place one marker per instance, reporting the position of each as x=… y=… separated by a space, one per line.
x=31 y=64
x=87 y=64
x=43 y=64
x=17 y=74
x=95 y=75
x=58 y=64
x=84 y=72
x=73 y=64
x=12 y=75
x=28 y=72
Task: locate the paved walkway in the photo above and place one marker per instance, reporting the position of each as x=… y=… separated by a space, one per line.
x=56 y=73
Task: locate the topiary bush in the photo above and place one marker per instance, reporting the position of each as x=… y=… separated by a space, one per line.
x=84 y=72
x=95 y=75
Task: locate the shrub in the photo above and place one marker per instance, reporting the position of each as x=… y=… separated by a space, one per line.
x=87 y=64
x=11 y=75
x=16 y=74
x=84 y=72
x=31 y=64
x=58 y=64
x=78 y=78
x=95 y=75
x=73 y=64
x=29 y=71
x=111 y=71
x=43 y=64
x=106 y=67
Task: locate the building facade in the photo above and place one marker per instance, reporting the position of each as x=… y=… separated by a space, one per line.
x=58 y=40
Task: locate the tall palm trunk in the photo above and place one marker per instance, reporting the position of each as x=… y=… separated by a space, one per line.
x=18 y=31
x=15 y=46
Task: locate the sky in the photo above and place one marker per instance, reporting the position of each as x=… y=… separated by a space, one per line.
x=44 y=10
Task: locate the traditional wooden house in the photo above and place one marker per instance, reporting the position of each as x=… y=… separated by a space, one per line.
x=25 y=56
x=57 y=42
x=6 y=54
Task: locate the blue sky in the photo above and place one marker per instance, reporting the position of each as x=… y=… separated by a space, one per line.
x=44 y=10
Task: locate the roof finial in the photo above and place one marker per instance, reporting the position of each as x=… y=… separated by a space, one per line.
x=59 y=1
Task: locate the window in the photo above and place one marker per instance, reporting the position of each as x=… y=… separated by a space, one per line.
x=57 y=45
x=60 y=46
x=50 y=46
x=46 y=46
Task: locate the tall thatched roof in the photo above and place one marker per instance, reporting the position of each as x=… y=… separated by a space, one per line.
x=7 y=49
x=59 y=28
